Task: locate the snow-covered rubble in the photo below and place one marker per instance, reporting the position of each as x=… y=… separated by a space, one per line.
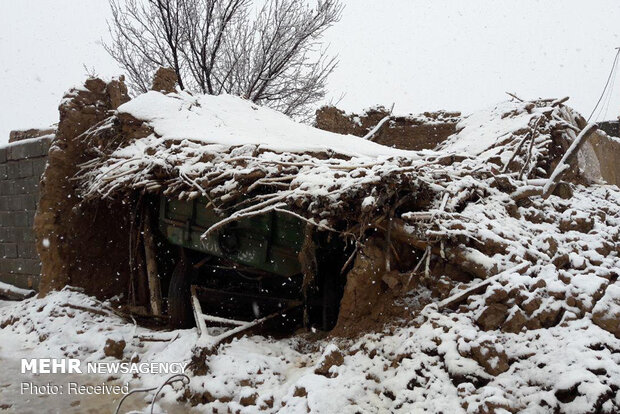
x=438 y=362
x=540 y=339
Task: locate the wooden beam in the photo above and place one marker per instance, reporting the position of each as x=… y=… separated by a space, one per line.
x=14 y=293
x=150 y=254
x=468 y=259
x=460 y=297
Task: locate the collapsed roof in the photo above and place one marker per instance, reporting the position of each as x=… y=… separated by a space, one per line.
x=512 y=201
x=223 y=148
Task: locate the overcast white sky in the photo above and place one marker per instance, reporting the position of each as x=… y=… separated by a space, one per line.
x=419 y=54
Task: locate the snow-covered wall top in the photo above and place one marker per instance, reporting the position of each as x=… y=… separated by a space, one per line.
x=233 y=121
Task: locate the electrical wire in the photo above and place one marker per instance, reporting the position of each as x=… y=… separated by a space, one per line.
x=613 y=68
x=610 y=94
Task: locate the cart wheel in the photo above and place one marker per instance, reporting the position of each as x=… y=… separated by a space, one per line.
x=179 y=297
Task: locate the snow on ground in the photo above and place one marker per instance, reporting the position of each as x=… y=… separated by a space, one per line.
x=63 y=325
x=552 y=349
x=435 y=362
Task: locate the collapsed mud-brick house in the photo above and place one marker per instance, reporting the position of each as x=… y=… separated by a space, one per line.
x=486 y=267
x=397 y=214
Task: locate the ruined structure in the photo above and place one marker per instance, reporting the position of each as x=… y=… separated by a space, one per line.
x=474 y=258
x=80 y=246
x=412 y=132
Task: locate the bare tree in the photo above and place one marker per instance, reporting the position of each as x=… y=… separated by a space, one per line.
x=270 y=54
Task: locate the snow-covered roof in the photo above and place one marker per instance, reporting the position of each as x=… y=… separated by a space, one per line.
x=233 y=121
x=484 y=129
x=222 y=146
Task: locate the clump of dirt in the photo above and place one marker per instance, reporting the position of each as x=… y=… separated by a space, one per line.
x=114 y=348
x=248 y=400
x=333 y=358
x=493 y=316
x=165 y=80
x=606 y=313
x=490 y=356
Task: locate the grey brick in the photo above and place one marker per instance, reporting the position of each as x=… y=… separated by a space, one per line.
x=11 y=234
x=16 y=152
x=12 y=169
x=6 y=219
x=39 y=148
x=8 y=266
x=9 y=250
x=27 y=251
x=34 y=183
x=3 y=172
x=25 y=168
x=20 y=219
x=11 y=203
x=32 y=267
x=25 y=235
x=30 y=201
x=14 y=235
x=3 y=155
x=14 y=203
x=22 y=202
x=29 y=149
x=18 y=265
x=13 y=279
x=24 y=186
x=30 y=214
x=38 y=166
x=47 y=143
x=6 y=187
x=4 y=202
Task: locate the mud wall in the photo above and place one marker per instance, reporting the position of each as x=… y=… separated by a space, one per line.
x=80 y=244
x=607 y=150
x=21 y=165
x=412 y=132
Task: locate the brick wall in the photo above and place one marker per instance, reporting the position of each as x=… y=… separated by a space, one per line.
x=21 y=166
